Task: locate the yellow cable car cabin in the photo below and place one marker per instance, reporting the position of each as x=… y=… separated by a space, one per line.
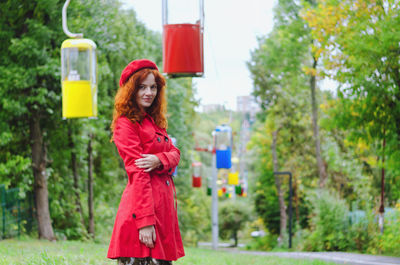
x=79 y=78
x=233 y=178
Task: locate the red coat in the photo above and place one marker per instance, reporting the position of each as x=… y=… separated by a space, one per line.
x=148 y=198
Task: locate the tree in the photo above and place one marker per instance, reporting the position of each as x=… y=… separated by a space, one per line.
x=29 y=89
x=356 y=41
x=233 y=217
x=357 y=45
x=281 y=85
x=312 y=71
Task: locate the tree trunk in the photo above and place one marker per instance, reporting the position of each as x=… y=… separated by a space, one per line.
x=235 y=237
x=282 y=206
x=382 y=206
x=296 y=199
x=39 y=156
x=74 y=167
x=395 y=104
x=90 y=186
x=320 y=162
x=113 y=71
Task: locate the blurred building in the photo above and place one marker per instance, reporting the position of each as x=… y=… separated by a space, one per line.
x=213 y=107
x=247 y=105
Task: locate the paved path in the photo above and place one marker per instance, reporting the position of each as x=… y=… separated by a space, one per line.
x=337 y=257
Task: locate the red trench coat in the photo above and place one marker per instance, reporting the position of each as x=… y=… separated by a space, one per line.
x=148 y=198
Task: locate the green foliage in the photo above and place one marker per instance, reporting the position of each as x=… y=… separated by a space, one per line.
x=358 y=51
x=291 y=155
x=194 y=215
x=329 y=223
x=276 y=65
x=266 y=202
x=281 y=84
x=29 y=81
x=363 y=231
x=233 y=215
x=388 y=242
x=334 y=228
x=354 y=45
x=265 y=243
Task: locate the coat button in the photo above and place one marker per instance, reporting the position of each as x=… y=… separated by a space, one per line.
x=159 y=139
x=134 y=216
x=167 y=182
x=169 y=170
x=166 y=139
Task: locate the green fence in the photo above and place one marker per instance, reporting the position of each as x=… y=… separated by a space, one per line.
x=16 y=216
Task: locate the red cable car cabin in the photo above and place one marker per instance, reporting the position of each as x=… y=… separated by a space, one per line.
x=196 y=174
x=183 y=41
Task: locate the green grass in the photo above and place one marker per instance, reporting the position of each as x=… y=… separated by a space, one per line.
x=35 y=252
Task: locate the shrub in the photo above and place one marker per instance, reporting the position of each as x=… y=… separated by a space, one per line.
x=362 y=231
x=232 y=217
x=194 y=216
x=388 y=243
x=265 y=243
x=329 y=223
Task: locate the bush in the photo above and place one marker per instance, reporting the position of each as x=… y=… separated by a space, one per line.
x=329 y=223
x=388 y=243
x=194 y=216
x=232 y=217
x=332 y=229
x=265 y=243
x=362 y=231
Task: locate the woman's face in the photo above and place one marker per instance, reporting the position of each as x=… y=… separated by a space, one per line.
x=147 y=92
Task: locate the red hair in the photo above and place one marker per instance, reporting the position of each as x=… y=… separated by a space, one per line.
x=126 y=105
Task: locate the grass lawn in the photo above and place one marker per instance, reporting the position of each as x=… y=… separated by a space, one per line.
x=35 y=252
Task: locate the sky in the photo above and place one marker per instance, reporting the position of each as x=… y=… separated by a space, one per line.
x=231 y=28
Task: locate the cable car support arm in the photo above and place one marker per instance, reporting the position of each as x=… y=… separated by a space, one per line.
x=64 y=23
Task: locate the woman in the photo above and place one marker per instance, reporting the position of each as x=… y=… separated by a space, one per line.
x=146 y=230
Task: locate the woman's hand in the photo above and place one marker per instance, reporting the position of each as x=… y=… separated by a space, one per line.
x=147 y=235
x=148 y=162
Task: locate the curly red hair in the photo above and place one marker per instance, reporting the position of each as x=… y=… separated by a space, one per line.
x=125 y=100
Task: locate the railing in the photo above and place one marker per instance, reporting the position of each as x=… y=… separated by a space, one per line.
x=16 y=215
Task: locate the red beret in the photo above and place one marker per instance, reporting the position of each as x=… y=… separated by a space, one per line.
x=135 y=66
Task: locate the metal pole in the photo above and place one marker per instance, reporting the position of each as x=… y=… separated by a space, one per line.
x=290 y=209
x=290 y=202
x=164 y=12
x=64 y=23
x=214 y=203
x=201 y=2
x=19 y=216
x=3 y=208
x=382 y=206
